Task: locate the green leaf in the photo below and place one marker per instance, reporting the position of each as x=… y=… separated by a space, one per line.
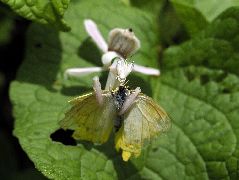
x=196 y=15
x=10 y=161
x=205 y=114
x=40 y=93
x=6 y=25
x=216 y=47
x=200 y=89
x=42 y=11
x=153 y=6
x=171 y=29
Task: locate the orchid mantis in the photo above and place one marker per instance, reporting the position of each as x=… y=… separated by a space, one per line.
x=122 y=44
x=134 y=116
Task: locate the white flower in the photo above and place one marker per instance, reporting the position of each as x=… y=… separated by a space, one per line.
x=122 y=44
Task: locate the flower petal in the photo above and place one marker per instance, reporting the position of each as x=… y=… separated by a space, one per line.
x=146 y=70
x=78 y=72
x=93 y=31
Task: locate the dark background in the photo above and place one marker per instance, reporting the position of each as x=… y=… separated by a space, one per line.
x=14 y=163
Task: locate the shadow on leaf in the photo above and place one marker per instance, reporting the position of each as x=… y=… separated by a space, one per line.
x=89 y=51
x=75 y=90
x=45 y=54
x=137 y=81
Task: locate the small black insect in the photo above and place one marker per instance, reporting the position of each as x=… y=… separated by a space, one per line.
x=120 y=95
